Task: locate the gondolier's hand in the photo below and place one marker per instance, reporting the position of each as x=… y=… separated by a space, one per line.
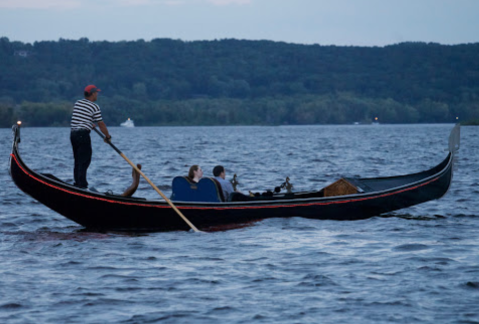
x=107 y=139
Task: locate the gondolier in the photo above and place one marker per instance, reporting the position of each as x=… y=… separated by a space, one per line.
x=85 y=113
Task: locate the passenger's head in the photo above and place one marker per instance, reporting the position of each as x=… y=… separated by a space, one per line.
x=195 y=172
x=218 y=170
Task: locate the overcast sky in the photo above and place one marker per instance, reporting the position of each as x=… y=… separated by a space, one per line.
x=324 y=22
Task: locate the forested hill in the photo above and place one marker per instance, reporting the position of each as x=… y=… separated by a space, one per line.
x=229 y=81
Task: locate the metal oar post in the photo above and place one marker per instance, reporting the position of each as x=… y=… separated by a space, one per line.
x=149 y=181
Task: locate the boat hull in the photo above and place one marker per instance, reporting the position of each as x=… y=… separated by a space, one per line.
x=112 y=212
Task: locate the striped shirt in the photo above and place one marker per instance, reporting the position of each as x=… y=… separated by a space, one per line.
x=85 y=113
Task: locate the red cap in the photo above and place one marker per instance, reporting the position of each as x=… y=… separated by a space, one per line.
x=91 y=89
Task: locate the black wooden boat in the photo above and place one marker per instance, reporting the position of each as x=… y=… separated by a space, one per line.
x=374 y=196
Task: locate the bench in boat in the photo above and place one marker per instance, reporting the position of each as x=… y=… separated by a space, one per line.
x=206 y=190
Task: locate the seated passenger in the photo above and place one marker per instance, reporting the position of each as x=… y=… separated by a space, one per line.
x=195 y=173
x=226 y=186
x=134 y=185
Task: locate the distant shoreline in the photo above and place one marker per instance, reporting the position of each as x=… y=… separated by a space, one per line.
x=474 y=122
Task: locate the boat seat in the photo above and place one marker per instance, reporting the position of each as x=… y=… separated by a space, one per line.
x=206 y=190
x=236 y=196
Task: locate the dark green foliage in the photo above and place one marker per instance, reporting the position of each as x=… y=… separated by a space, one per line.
x=471 y=123
x=44 y=114
x=6 y=115
x=171 y=82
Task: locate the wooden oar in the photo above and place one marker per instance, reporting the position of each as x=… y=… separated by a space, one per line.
x=149 y=181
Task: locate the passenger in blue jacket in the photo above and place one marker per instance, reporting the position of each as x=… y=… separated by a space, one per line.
x=220 y=175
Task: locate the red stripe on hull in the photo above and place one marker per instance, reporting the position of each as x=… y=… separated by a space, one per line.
x=225 y=207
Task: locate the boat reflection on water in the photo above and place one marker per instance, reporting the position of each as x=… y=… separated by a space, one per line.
x=128 y=123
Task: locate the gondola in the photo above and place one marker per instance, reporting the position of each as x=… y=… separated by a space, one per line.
x=367 y=197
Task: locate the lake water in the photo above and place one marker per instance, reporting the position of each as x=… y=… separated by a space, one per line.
x=417 y=265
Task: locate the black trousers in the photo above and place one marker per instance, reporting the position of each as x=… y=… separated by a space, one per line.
x=81 y=144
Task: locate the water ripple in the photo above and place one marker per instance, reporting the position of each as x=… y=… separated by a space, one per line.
x=418 y=265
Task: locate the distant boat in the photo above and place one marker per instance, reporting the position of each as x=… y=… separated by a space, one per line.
x=128 y=123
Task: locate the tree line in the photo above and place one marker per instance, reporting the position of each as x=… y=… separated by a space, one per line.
x=230 y=82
